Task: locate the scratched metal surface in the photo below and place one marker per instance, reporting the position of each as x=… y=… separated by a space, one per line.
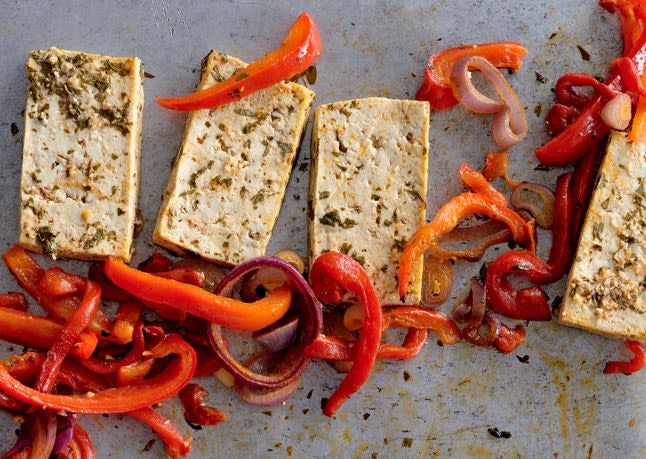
x=557 y=404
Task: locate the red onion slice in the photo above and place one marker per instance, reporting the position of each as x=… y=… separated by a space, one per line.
x=278 y=336
x=510 y=123
x=64 y=432
x=263 y=396
x=617 y=112
x=305 y=306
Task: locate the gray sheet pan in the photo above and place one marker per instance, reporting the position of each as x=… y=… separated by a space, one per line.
x=557 y=404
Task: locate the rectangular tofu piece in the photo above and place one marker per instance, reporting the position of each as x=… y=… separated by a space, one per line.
x=232 y=169
x=606 y=289
x=368 y=185
x=79 y=185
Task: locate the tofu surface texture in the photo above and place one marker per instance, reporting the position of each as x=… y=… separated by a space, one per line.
x=80 y=172
x=606 y=289
x=368 y=185
x=232 y=169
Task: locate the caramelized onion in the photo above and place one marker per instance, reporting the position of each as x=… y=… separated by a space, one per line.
x=437 y=280
x=617 y=112
x=536 y=199
x=483 y=235
x=510 y=123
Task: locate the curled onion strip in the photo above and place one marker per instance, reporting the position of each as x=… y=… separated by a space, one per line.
x=510 y=123
x=541 y=208
x=484 y=235
x=291 y=362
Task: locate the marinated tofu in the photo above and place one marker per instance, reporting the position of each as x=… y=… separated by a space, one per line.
x=80 y=172
x=232 y=168
x=606 y=289
x=368 y=185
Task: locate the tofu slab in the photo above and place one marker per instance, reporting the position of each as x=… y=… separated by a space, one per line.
x=606 y=289
x=80 y=172
x=232 y=168
x=368 y=185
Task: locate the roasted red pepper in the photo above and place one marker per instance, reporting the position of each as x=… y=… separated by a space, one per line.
x=112 y=365
x=196 y=410
x=633 y=365
x=331 y=275
x=194 y=300
x=448 y=217
x=300 y=49
x=40 y=332
x=13 y=300
x=436 y=87
x=78 y=321
x=587 y=131
x=28 y=274
x=176 y=375
x=174 y=444
x=562 y=229
x=418 y=321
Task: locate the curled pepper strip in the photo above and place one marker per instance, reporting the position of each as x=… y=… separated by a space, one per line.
x=194 y=300
x=448 y=217
x=633 y=365
x=528 y=303
x=333 y=273
x=105 y=366
x=196 y=411
x=436 y=87
x=418 y=320
x=120 y=399
x=300 y=49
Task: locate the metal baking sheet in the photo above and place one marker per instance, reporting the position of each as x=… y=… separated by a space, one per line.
x=555 y=402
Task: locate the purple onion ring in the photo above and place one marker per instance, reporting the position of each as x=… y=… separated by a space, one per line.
x=291 y=362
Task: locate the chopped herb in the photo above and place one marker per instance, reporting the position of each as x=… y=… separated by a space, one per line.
x=605 y=204
x=540 y=78
x=415 y=194
x=584 y=54
x=258 y=197
x=46 y=240
x=284 y=147
x=375 y=197
x=407 y=442
x=242 y=76
x=245 y=112
x=538 y=109
x=324 y=194
x=219 y=180
x=345 y=248
x=597 y=229
x=192 y=181
x=359 y=259
x=149 y=75
x=332 y=219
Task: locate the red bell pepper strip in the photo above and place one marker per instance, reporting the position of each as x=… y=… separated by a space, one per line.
x=526 y=304
x=300 y=49
x=331 y=274
x=436 y=87
x=156 y=263
x=109 y=291
x=196 y=410
x=13 y=300
x=497 y=165
x=562 y=235
x=134 y=372
x=479 y=184
x=79 y=320
x=588 y=130
x=28 y=274
x=194 y=300
x=633 y=365
x=560 y=117
x=448 y=217
x=507 y=338
x=56 y=282
x=174 y=444
x=582 y=183
x=120 y=399
x=632 y=14
x=406 y=316
x=40 y=332
x=412 y=345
